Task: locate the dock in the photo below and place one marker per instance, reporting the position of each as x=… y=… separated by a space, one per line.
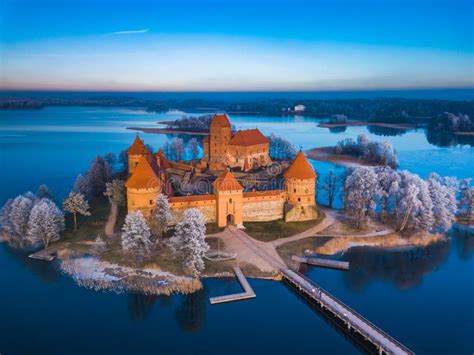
x=353 y=321
x=47 y=254
x=247 y=294
x=334 y=264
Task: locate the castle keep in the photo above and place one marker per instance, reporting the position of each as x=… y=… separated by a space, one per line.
x=229 y=202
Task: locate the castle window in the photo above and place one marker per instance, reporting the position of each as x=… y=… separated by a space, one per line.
x=299 y=199
x=294 y=190
x=230 y=200
x=151 y=202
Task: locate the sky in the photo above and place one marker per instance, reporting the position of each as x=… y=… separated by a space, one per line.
x=230 y=45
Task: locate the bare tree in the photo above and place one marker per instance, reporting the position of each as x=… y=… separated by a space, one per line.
x=76 y=203
x=330 y=186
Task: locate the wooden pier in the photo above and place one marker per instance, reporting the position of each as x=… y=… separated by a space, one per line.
x=334 y=264
x=248 y=291
x=355 y=322
x=48 y=254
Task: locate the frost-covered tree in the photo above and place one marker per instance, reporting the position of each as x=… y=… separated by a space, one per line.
x=177 y=148
x=162 y=213
x=330 y=186
x=43 y=192
x=19 y=215
x=443 y=197
x=5 y=222
x=280 y=148
x=76 y=203
x=466 y=199
x=338 y=119
x=415 y=206
x=193 y=146
x=189 y=241
x=136 y=235
x=81 y=185
x=111 y=159
x=115 y=191
x=100 y=245
x=99 y=174
x=389 y=184
x=46 y=222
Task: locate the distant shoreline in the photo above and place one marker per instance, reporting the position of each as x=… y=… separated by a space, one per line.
x=367 y=123
x=166 y=131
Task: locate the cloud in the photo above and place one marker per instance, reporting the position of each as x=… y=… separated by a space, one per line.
x=131 y=32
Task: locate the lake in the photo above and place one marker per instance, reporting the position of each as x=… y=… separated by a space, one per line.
x=423 y=297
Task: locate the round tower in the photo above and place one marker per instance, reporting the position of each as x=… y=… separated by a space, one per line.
x=136 y=151
x=300 y=186
x=142 y=188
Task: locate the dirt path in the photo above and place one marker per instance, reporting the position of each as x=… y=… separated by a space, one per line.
x=111 y=220
x=325 y=223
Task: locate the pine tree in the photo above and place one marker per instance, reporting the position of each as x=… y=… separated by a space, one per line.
x=136 y=235
x=76 y=203
x=81 y=185
x=43 y=192
x=46 y=222
x=162 y=213
x=5 y=223
x=189 y=241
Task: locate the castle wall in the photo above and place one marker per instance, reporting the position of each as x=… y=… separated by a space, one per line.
x=207 y=204
x=298 y=213
x=263 y=206
x=249 y=157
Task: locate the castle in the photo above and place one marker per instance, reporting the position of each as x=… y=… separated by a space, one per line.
x=228 y=202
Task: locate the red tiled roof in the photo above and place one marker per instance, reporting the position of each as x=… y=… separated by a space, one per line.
x=137 y=147
x=248 y=137
x=300 y=168
x=220 y=119
x=144 y=176
x=226 y=182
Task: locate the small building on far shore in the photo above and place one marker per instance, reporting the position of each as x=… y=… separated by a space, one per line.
x=300 y=108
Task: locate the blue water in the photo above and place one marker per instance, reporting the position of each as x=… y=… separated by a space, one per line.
x=422 y=297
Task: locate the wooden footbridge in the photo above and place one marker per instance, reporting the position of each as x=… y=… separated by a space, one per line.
x=248 y=291
x=355 y=322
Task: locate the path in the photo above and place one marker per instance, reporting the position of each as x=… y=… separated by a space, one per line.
x=111 y=220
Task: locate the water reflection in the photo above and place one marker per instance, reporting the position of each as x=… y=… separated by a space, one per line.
x=386 y=131
x=190 y=314
x=445 y=139
x=341 y=129
x=405 y=268
x=464 y=237
x=45 y=271
x=140 y=306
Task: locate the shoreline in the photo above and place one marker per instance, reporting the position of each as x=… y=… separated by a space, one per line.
x=405 y=126
x=166 y=131
x=326 y=154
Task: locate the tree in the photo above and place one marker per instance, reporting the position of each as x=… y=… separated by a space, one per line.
x=189 y=241
x=81 y=185
x=177 y=148
x=5 y=222
x=19 y=214
x=115 y=191
x=389 y=184
x=338 y=119
x=162 y=213
x=466 y=198
x=111 y=159
x=330 y=186
x=194 y=148
x=361 y=190
x=99 y=174
x=46 y=222
x=76 y=203
x=414 y=204
x=100 y=245
x=136 y=235
x=280 y=148
x=43 y=192
x=443 y=197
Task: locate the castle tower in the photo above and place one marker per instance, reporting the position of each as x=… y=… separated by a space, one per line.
x=142 y=187
x=300 y=186
x=136 y=151
x=220 y=134
x=229 y=200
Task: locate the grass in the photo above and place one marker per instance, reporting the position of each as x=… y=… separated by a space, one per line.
x=272 y=230
x=286 y=251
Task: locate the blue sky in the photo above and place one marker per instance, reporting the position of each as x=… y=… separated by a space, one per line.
x=236 y=45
